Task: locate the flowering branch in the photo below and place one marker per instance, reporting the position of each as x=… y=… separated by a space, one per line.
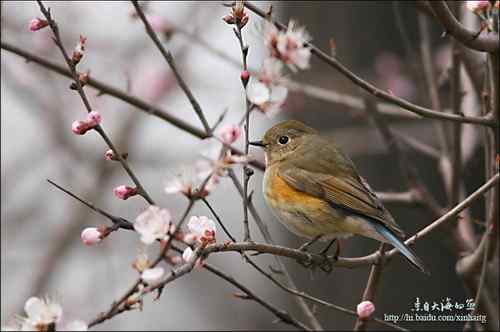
x=239 y=16
x=422 y=111
x=76 y=77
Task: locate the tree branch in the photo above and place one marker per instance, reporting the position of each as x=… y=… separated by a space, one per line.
x=481 y=42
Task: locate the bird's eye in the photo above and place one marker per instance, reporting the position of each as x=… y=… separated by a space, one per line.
x=283 y=140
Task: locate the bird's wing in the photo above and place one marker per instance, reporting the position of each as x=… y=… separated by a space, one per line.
x=345 y=190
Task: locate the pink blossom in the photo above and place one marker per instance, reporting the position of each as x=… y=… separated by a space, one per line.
x=79 y=127
x=154 y=224
x=477 y=6
x=271 y=72
x=190 y=179
x=91 y=236
x=365 y=309
x=152 y=276
x=93 y=119
x=38 y=23
x=229 y=133
x=269 y=99
x=288 y=46
x=124 y=192
x=203 y=228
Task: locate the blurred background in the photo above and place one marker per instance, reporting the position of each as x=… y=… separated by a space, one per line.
x=42 y=253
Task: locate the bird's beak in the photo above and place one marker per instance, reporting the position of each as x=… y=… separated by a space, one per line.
x=258 y=143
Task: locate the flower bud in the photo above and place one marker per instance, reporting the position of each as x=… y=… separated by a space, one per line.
x=124 y=192
x=93 y=119
x=79 y=127
x=229 y=19
x=91 y=236
x=229 y=133
x=37 y=24
x=365 y=309
x=244 y=76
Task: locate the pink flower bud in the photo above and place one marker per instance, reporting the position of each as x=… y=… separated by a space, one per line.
x=244 y=76
x=229 y=133
x=79 y=127
x=365 y=309
x=93 y=119
x=124 y=192
x=229 y=19
x=37 y=24
x=109 y=155
x=91 y=236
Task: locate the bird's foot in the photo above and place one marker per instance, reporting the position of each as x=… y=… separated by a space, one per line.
x=306 y=245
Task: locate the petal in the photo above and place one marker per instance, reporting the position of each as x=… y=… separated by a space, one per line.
x=194 y=225
x=187 y=254
x=54 y=310
x=153 y=275
x=34 y=308
x=301 y=57
x=258 y=93
x=278 y=94
x=174 y=186
x=77 y=325
x=28 y=326
x=147 y=238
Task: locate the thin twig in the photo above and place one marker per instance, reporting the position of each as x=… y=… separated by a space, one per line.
x=371 y=287
x=170 y=60
x=247 y=172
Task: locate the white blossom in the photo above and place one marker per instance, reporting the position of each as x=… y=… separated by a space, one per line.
x=153 y=275
x=153 y=224
x=203 y=228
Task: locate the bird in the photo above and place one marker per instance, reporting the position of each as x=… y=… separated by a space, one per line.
x=314 y=189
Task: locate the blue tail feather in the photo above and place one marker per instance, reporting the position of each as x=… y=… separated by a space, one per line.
x=399 y=245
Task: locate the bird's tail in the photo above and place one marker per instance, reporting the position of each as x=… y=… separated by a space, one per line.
x=403 y=248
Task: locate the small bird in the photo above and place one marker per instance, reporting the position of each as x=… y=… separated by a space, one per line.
x=314 y=189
